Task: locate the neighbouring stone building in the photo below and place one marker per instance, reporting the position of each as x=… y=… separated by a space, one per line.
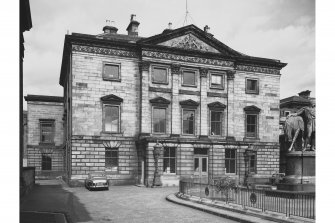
x=214 y=110
x=45 y=142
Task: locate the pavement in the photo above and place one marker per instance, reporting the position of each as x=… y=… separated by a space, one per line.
x=53 y=201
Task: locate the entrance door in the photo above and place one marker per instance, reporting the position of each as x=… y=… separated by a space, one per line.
x=201 y=165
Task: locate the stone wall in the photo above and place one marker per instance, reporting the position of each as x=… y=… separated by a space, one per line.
x=88 y=87
x=44 y=110
x=88 y=155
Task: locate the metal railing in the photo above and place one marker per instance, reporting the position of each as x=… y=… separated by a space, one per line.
x=301 y=204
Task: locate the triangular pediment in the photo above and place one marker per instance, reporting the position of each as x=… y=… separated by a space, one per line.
x=252 y=108
x=189 y=102
x=111 y=98
x=160 y=100
x=189 y=42
x=216 y=105
x=189 y=38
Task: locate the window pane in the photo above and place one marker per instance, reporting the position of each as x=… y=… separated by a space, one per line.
x=172 y=152
x=159 y=121
x=196 y=164
x=252 y=85
x=46 y=162
x=47 y=131
x=189 y=77
x=188 y=122
x=111 y=159
x=166 y=151
x=172 y=165
x=204 y=165
x=232 y=167
x=159 y=75
x=217 y=80
x=166 y=164
x=111 y=71
x=112 y=118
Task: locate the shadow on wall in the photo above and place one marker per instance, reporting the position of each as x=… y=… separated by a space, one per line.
x=52 y=198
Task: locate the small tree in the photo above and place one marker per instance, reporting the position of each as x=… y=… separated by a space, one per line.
x=224 y=185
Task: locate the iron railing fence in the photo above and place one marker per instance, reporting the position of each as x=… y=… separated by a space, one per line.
x=301 y=204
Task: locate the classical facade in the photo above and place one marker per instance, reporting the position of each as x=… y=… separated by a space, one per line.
x=45 y=148
x=213 y=111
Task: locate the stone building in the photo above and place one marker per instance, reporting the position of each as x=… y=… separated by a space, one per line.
x=45 y=148
x=215 y=111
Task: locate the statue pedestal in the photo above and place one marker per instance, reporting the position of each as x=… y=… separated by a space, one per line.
x=300 y=172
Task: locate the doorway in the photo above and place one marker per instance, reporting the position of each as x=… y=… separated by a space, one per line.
x=201 y=165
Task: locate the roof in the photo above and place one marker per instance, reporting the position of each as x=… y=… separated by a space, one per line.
x=216 y=49
x=44 y=98
x=295 y=100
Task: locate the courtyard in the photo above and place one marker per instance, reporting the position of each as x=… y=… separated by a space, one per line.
x=118 y=204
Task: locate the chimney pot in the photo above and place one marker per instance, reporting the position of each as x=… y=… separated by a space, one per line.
x=133 y=26
x=206 y=28
x=170 y=25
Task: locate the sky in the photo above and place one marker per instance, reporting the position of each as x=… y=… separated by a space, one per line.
x=276 y=29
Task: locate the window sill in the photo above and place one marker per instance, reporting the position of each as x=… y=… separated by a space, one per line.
x=164 y=83
x=111 y=79
x=216 y=88
x=111 y=133
x=169 y=174
x=46 y=143
x=252 y=92
x=186 y=85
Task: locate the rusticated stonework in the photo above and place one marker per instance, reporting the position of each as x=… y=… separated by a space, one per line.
x=257 y=69
x=169 y=56
x=105 y=51
x=189 y=42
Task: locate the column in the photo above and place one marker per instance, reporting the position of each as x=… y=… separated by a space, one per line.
x=175 y=114
x=203 y=102
x=230 y=105
x=145 y=105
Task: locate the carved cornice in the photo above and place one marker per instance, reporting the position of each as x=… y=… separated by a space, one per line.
x=111 y=99
x=160 y=101
x=144 y=65
x=164 y=90
x=189 y=103
x=258 y=69
x=231 y=74
x=252 y=108
x=105 y=51
x=175 y=69
x=191 y=59
x=181 y=91
x=216 y=105
x=203 y=72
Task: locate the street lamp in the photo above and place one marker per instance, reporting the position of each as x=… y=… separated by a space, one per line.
x=156 y=152
x=247 y=155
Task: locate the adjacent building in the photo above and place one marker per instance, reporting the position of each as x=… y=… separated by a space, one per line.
x=214 y=110
x=45 y=142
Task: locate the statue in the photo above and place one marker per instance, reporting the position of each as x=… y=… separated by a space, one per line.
x=293 y=126
x=307 y=114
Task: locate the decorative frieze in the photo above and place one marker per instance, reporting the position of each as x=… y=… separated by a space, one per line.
x=169 y=56
x=257 y=69
x=105 y=51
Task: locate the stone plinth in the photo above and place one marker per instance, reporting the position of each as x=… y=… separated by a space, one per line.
x=300 y=171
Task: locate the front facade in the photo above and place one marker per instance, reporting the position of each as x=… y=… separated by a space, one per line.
x=213 y=110
x=45 y=149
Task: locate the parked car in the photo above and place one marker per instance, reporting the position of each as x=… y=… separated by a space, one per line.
x=96 y=180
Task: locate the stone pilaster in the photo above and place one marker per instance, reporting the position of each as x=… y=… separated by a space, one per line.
x=145 y=105
x=203 y=102
x=230 y=106
x=175 y=114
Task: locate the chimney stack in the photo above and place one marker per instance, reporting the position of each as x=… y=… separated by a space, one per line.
x=133 y=26
x=305 y=94
x=109 y=28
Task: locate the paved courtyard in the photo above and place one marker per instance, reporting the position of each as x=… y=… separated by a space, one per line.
x=118 y=204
